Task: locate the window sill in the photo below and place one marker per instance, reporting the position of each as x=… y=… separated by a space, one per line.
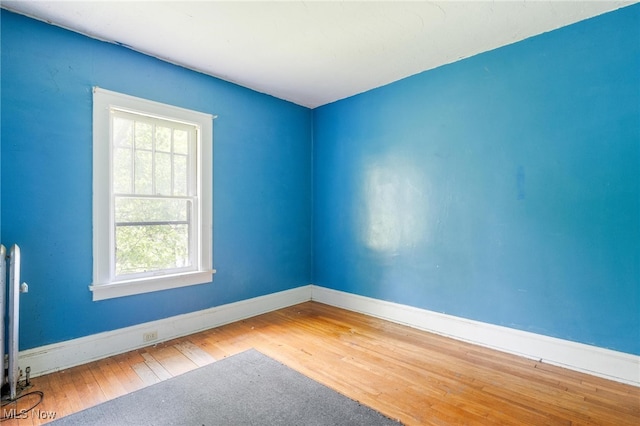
x=147 y=285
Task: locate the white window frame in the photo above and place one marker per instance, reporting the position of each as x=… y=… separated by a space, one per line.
x=105 y=285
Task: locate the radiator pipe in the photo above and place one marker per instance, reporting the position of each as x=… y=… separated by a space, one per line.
x=3 y=279
x=13 y=320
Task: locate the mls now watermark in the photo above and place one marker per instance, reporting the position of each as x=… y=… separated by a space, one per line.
x=14 y=413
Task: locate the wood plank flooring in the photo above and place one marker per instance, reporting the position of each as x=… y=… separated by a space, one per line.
x=410 y=375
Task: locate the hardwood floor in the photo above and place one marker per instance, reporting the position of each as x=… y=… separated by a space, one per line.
x=407 y=374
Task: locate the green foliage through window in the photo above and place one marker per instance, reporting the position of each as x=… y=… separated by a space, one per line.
x=152 y=184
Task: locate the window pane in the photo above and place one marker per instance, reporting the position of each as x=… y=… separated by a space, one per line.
x=146 y=248
x=181 y=142
x=129 y=210
x=180 y=186
x=151 y=234
x=163 y=173
x=122 y=171
x=143 y=135
x=122 y=131
x=143 y=176
x=163 y=139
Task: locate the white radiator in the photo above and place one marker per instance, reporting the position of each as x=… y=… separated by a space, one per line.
x=10 y=320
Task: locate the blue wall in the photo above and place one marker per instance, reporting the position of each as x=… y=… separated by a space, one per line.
x=503 y=188
x=262 y=180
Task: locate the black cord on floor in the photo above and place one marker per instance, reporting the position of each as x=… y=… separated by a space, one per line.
x=14 y=413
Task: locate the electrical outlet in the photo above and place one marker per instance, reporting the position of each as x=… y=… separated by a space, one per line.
x=150 y=336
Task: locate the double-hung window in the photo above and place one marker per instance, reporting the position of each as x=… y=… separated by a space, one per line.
x=152 y=196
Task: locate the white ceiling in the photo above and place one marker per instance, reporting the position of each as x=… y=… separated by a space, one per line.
x=312 y=52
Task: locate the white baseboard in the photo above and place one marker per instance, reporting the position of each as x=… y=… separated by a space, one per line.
x=609 y=364
x=600 y=362
x=59 y=356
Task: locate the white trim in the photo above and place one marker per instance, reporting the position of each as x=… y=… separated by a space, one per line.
x=105 y=284
x=588 y=359
x=59 y=356
x=131 y=287
x=606 y=363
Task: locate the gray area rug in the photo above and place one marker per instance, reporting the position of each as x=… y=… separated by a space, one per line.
x=245 y=389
